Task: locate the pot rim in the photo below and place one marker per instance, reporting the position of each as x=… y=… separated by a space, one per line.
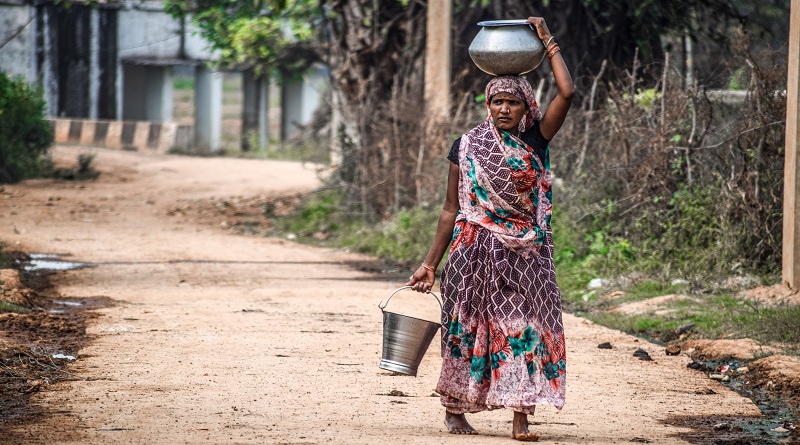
x=515 y=22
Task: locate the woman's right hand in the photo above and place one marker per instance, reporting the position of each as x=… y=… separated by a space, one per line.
x=541 y=28
x=422 y=280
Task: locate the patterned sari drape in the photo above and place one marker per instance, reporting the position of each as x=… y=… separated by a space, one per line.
x=503 y=337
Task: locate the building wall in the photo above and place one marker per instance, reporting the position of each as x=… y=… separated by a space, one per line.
x=114 y=60
x=147 y=32
x=71 y=31
x=18 y=55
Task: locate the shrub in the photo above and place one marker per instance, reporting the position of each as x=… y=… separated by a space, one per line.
x=675 y=180
x=25 y=135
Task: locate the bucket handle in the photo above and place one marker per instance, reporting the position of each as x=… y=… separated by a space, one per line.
x=383 y=305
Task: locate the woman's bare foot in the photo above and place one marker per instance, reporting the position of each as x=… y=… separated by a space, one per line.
x=519 y=430
x=457 y=424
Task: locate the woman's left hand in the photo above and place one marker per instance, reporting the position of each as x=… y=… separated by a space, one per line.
x=541 y=28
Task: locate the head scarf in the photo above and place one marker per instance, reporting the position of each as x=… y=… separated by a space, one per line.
x=521 y=88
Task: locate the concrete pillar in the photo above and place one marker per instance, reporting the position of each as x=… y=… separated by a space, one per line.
x=159 y=93
x=120 y=85
x=300 y=99
x=147 y=93
x=207 y=108
x=291 y=108
x=133 y=101
x=437 y=58
x=254 y=111
x=274 y=109
x=34 y=46
x=791 y=173
x=94 y=63
x=48 y=73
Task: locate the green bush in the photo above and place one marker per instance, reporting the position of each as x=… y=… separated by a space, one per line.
x=404 y=238
x=25 y=135
x=318 y=213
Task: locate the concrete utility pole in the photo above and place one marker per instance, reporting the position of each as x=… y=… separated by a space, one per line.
x=791 y=172
x=437 y=58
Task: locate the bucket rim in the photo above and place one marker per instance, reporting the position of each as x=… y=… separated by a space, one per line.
x=414 y=318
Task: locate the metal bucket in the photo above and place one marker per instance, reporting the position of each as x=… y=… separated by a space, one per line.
x=405 y=339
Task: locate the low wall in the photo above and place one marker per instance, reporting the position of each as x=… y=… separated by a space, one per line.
x=129 y=135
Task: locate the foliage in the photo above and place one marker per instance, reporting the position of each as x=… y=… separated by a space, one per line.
x=715 y=316
x=25 y=135
x=375 y=50
x=673 y=181
x=656 y=178
x=82 y=171
x=405 y=238
x=617 y=32
x=11 y=307
x=778 y=324
x=6 y=261
x=318 y=213
x=254 y=34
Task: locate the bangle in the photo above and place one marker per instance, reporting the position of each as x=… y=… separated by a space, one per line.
x=552 y=52
x=428 y=267
x=548 y=41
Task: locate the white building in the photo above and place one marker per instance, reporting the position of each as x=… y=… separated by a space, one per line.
x=114 y=61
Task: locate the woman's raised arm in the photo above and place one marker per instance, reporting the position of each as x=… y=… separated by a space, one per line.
x=557 y=110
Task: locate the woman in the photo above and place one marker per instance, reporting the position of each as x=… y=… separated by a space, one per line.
x=503 y=337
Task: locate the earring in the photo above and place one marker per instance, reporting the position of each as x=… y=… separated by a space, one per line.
x=522 y=122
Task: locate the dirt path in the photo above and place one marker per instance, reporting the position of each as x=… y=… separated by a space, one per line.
x=223 y=338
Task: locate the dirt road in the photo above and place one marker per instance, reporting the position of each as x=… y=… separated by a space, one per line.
x=223 y=338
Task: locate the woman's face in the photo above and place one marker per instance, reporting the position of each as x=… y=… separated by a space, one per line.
x=507 y=110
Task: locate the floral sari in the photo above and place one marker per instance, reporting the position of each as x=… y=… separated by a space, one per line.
x=503 y=336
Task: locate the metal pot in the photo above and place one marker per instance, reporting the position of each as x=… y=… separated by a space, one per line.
x=506 y=47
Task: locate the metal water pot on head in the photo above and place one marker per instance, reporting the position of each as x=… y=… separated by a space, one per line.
x=507 y=47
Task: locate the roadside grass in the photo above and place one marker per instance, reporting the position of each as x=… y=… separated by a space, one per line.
x=319 y=213
x=11 y=307
x=711 y=317
x=404 y=239
x=317 y=152
x=83 y=170
x=778 y=325
x=6 y=261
